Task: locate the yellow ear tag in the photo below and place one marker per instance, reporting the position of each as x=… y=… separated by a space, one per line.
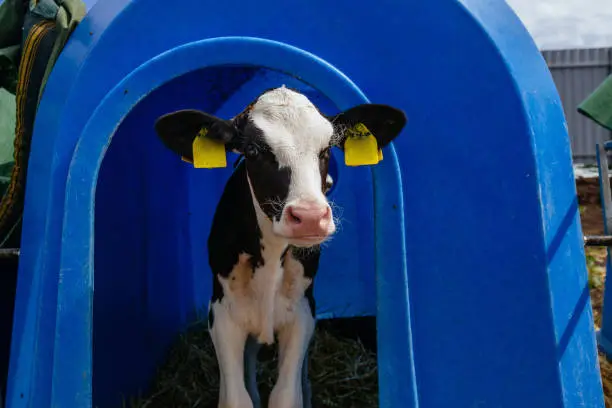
x=361 y=148
x=208 y=153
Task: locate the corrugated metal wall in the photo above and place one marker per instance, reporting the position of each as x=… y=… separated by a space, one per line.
x=577 y=73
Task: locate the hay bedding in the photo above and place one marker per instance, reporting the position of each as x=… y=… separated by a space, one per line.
x=343 y=373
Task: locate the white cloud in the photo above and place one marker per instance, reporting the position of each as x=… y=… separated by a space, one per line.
x=557 y=24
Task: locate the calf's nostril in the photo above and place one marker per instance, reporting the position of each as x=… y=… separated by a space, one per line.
x=293 y=217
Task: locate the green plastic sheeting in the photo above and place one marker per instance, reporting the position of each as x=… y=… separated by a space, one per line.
x=598 y=106
x=7 y=135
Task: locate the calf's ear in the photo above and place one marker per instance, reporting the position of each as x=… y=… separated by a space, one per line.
x=383 y=121
x=177 y=130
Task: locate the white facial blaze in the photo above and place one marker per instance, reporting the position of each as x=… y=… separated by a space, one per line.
x=306 y=180
x=297 y=133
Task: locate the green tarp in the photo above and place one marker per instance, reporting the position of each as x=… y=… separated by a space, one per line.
x=12 y=13
x=7 y=137
x=598 y=106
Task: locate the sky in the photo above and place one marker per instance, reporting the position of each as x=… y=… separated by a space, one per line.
x=558 y=24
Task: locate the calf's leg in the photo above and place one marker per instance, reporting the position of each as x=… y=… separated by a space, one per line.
x=293 y=341
x=229 y=340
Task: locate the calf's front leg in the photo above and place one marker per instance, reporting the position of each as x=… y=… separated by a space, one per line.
x=293 y=341
x=229 y=340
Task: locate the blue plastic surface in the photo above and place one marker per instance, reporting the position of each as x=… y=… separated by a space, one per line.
x=475 y=219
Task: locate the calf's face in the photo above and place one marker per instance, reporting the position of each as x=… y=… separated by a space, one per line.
x=286 y=145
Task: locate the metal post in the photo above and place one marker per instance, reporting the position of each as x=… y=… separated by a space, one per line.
x=9 y=253
x=598 y=240
x=604 y=336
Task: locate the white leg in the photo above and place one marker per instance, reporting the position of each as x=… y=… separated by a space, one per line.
x=229 y=340
x=293 y=340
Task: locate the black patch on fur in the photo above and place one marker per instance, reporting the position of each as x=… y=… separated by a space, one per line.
x=282 y=257
x=270 y=182
x=324 y=168
x=211 y=317
x=234 y=231
x=309 y=258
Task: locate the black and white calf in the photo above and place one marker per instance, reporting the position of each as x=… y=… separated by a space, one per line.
x=264 y=242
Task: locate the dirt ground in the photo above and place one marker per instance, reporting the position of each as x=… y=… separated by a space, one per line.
x=589 y=201
x=592 y=224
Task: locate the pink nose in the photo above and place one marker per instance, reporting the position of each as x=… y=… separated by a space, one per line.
x=308 y=220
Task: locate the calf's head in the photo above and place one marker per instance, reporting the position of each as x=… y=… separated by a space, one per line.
x=286 y=145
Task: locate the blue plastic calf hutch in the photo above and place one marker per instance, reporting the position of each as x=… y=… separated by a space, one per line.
x=464 y=241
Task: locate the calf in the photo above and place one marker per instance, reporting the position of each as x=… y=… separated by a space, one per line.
x=264 y=244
